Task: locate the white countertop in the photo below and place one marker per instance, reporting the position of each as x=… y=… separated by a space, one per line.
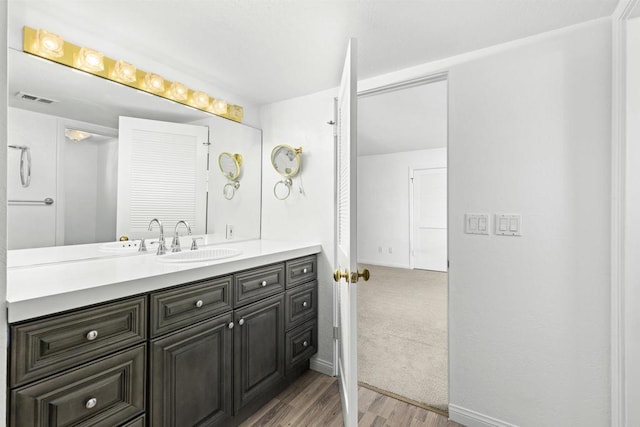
x=38 y=290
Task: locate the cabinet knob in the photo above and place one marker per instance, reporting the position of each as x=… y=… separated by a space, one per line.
x=91 y=403
x=304 y=304
x=305 y=344
x=92 y=335
x=264 y=283
x=199 y=303
x=231 y=325
x=304 y=270
x=241 y=322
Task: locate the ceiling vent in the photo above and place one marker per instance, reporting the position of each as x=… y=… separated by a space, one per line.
x=27 y=97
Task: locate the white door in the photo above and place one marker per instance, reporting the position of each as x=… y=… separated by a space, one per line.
x=162 y=173
x=429 y=225
x=346 y=241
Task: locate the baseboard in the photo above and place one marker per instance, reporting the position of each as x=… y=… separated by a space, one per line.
x=322 y=366
x=382 y=264
x=471 y=418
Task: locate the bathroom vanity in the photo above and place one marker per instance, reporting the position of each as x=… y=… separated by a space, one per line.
x=159 y=344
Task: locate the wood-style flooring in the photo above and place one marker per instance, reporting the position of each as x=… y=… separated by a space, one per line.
x=314 y=400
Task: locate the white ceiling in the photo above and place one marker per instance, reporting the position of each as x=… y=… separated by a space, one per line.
x=269 y=50
x=404 y=120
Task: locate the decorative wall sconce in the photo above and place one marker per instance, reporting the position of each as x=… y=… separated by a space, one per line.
x=287 y=162
x=230 y=166
x=53 y=47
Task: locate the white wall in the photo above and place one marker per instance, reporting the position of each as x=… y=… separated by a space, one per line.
x=529 y=125
x=32 y=226
x=529 y=316
x=3 y=211
x=302 y=122
x=89 y=175
x=243 y=210
x=632 y=224
x=106 y=207
x=383 y=204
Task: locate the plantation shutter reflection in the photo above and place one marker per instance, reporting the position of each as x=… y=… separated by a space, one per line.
x=163 y=178
x=166 y=172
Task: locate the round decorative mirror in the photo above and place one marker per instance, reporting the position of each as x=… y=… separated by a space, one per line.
x=286 y=160
x=230 y=165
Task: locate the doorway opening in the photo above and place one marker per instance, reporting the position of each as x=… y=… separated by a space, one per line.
x=402 y=240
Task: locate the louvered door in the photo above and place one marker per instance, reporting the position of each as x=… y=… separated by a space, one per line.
x=162 y=173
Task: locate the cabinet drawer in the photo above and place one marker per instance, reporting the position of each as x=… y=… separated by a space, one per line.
x=301 y=270
x=105 y=393
x=176 y=308
x=301 y=343
x=301 y=304
x=138 y=422
x=253 y=285
x=50 y=345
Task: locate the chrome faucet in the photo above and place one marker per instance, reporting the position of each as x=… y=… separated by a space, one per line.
x=162 y=249
x=175 y=244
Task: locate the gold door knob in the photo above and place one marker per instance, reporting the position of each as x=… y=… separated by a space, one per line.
x=357 y=275
x=337 y=275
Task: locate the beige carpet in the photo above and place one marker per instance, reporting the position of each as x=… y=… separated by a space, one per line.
x=402 y=336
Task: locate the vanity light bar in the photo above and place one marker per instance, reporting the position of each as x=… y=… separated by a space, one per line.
x=54 y=48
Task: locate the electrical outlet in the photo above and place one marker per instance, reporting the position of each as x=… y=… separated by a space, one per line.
x=379 y=249
x=229 y=232
x=390 y=250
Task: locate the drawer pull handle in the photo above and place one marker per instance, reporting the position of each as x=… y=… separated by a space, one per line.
x=241 y=322
x=304 y=270
x=92 y=335
x=199 y=303
x=304 y=344
x=231 y=325
x=91 y=403
x=264 y=283
x=304 y=304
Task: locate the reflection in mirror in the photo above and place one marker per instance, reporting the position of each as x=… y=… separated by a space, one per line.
x=287 y=162
x=230 y=166
x=80 y=175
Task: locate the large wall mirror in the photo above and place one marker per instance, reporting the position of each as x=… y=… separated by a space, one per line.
x=65 y=140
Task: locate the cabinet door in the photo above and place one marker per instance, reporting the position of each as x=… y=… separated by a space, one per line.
x=191 y=375
x=259 y=349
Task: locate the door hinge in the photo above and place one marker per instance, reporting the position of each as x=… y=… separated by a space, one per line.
x=336 y=333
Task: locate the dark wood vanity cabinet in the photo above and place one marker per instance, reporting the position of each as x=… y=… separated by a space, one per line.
x=259 y=363
x=207 y=353
x=191 y=375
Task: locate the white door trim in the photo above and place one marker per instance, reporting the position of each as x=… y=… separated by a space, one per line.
x=618 y=205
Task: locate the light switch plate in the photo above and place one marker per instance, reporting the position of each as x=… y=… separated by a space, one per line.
x=476 y=223
x=508 y=225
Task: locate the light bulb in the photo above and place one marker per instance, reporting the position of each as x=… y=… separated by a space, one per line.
x=48 y=44
x=153 y=83
x=90 y=60
x=178 y=92
x=200 y=99
x=218 y=106
x=124 y=72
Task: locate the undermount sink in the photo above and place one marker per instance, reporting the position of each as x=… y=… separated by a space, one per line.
x=206 y=254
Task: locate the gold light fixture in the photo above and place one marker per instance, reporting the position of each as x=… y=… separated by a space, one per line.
x=218 y=106
x=48 y=44
x=153 y=83
x=124 y=72
x=200 y=100
x=76 y=135
x=89 y=60
x=53 y=47
x=178 y=92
